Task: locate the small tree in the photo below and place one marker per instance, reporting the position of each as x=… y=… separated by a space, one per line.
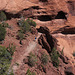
x=2 y=16
x=2 y=33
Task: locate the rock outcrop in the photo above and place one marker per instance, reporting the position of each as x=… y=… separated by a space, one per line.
x=46 y=39
x=36 y=9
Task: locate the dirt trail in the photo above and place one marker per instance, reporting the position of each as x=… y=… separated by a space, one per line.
x=29 y=48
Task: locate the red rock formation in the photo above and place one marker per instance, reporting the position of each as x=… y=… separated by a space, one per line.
x=58 y=16
x=47 y=40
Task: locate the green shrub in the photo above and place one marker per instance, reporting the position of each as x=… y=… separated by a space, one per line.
x=44 y=58
x=2 y=16
x=2 y=33
x=4 y=24
x=54 y=57
x=30 y=73
x=11 y=48
x=31 y=22
x=5 y=60
x=32 y=59
x=20 y=36
x=24 y=25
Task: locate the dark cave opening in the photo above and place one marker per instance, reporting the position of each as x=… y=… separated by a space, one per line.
x=68 y=32
x=9 y=15
x=45 y=18
x=61 y=15
x=43 y=0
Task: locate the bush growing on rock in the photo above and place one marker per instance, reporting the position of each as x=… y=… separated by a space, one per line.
x=2 y=33
x=2 y=16
x=5 y=60
x=30 y=73
x=31 y=22
x=44 y=58
x=20 y=35
x=26 y=27
x=4 y=24
x=11 y=48
x=25 y=24
x=32 y=59
x=54 y=57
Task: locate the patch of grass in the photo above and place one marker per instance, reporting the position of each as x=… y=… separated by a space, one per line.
x=44 y=58
x=30 y=73
x=54 y=57
x=32 y=59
